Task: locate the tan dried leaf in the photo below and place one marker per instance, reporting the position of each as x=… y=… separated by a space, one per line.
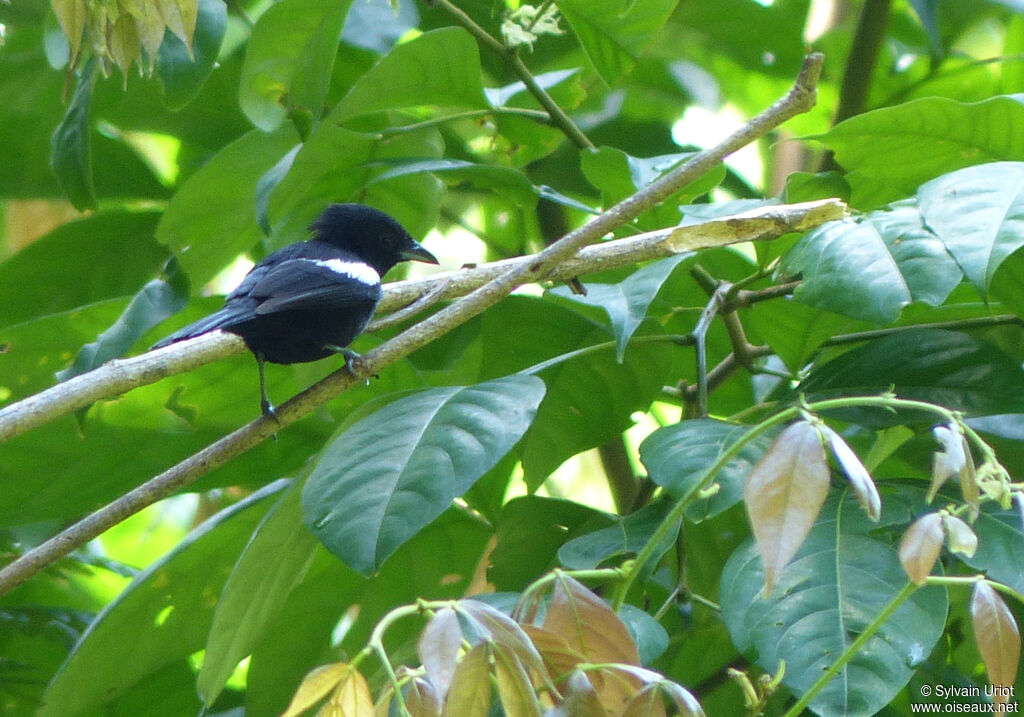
x=860 y=480
x=920 y=547
x=315 y=686
x=784 y=493
x=962 y=539
x=514 y=689
x=439 y=648
x=997 y=637
x=588 y=625
x=470 y=691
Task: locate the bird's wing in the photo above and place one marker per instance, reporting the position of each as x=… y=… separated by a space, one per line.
x=311 y=284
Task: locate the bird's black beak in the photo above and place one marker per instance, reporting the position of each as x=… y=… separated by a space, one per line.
x=418 y=253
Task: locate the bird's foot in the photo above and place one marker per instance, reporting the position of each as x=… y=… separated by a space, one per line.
x=349 y=355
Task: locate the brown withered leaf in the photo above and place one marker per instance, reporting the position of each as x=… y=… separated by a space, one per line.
x=558 y=656
x=784 y=493
x=997 y=637
x=588 y=625
x=492 y=623
x=315 y=686
x=514 y=689
x=920 y=547
x=439 y=647
x=470 y=691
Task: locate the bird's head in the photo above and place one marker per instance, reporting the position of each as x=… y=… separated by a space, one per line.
x=371 y=235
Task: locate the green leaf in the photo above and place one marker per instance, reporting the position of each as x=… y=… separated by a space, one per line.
x=276 y=559
x=626 y=302
x=289 y=59
x=156 y=301
x=210 y=219
x=871 y=269
x=836 y=585
x=70 y=155
x=439 y=68
x=381 y=481
x=80 y=253
x=182 y=74
x=166 y=611
x=615 y=33
x=948 y=368
x=1000 y=553
x=626 y=536
x=677 y=457
x=904 y=146
x=505 y=181
x=978 y=213
x=268 y=183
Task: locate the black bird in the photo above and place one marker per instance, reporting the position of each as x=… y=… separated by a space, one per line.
x=313 y=298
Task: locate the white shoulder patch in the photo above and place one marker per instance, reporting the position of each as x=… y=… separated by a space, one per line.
x=363 y=273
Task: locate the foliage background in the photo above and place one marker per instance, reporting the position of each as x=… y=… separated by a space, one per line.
x=184 y=170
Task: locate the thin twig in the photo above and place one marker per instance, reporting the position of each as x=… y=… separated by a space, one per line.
x=799 y=99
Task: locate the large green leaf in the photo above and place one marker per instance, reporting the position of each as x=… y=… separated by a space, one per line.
x=627 y=301
x=677 y=457
x=505 y=181
x=439 y=68
x=1000 y=551
x=615 y=33
x=272 y=564
x=949 y=368
x=388 y=476
x=70 y=151
x=80 y=254
x=870 y=269
x=289 y=59
x=901 y=147
x=211 y=219
x=978 y=212
x=626 y=536
x=836 y=585
x=166 y=611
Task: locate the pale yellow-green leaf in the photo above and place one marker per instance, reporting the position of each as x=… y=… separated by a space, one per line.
x=645 y=703
x=962 y=539
x=760 y=223
x=969 y=483
x=470 y=691
x=151 y=29
x=72 y=15
x=124 y=44
x=581 y=698
x=315 y=686
x=439 y=647
x=920 y=547
x=353 y=696
x=784 y=493
x=514 y=689
x=997 y=637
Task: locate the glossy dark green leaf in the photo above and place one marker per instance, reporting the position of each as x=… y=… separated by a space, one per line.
x=210 y=220
x=289 y=59
x=978 y=212
x=904 y=146
x=1000 y=553
x=165 y=610
x=614 y=34
x=181 y=75
x=678 y=456
x=505 y=181
x=871 y=269
x=626 y=302
x=949 y=368
x=70 y=152
x=154 y=303
x=80 y=254
x=626 y=536
x=836 y=585
x=381 y=481
x=273 y=563
x=439 y=68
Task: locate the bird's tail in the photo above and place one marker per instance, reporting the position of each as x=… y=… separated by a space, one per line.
x=216 y=320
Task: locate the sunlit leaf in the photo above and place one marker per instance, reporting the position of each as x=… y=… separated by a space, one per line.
x=783 y=495
x=315 y=686
x=514 y=689
x=470 y=692
x=353 y=697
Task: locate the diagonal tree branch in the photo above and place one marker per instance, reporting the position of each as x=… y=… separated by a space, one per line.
x=540 y=266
